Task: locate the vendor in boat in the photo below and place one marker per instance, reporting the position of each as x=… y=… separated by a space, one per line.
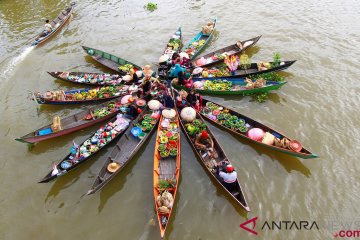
x=226 y=174
x=146 y=85
x=47 y=29
x=175 y=59
x=204 y=142
x=181 y=99
x=148 y=72
x=168 y=100
x=175 y=72
x=131 y=77
x=194 y=99
x=132 y=111
x=184 y=59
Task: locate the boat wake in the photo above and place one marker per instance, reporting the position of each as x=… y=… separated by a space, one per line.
x=13 y=63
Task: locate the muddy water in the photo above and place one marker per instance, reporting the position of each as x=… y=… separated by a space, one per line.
x=318 y=106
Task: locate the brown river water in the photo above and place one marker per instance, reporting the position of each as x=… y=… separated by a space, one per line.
x=318 y=106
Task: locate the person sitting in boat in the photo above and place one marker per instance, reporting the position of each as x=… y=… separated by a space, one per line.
x=208 y=28
x=148 y=72
x=146 y=85
x=181 y=99
x=47 y=29
x=168 y=100
x=204 y=142
x=184 y=59
x=175 y=71
x=175 y=59
x=227 y=175
x=131 y=77
x=194 y=99
x=132 y=111
x=169 y=51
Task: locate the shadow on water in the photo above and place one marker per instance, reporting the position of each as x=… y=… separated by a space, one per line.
x=73 y=176
x=252 y=51
x=114 y=185
x=66 y=181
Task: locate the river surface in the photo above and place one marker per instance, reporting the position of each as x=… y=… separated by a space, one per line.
x=319 y=107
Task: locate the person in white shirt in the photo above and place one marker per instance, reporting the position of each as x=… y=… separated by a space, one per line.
x=228 y=177
x=48 y=27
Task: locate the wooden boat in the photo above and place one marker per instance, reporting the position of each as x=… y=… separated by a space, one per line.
x=197 y=44
x=109 y=60
x=214 y=57
x=209 y=108
x=121 y=154
x=94 y=79
x=73 y=123
x=176 y=43
x=237 y=194
x=231 y=86
x=81 y=96
x=82 y=153
x=56 y=24
x=166 y=170
x=253 y=69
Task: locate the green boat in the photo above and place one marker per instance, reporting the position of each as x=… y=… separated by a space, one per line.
x=111 y=61
x=240 y=125
x=231 y=86
x=197 y=44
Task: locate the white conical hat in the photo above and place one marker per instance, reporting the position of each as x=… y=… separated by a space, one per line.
x=163 y=58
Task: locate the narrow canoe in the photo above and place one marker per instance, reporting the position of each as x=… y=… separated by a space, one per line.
x=94 y=79
x=240 y=73
x=73 y=123
x=70 y=96
x=175 y=41
x=166 y=169
x=206 y=112
x=109 y=60
x=212 y=58
x=122 y=153
x=56 y=24
x=177 y=45
x=237 y=194
x=204 y=38
x=83 y=154
x=238 y=87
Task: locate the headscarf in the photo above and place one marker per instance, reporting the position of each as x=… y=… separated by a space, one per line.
x=176 y=70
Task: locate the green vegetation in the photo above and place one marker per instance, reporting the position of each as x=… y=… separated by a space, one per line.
x=150 y=6
x=271 y=76
x=276 y=60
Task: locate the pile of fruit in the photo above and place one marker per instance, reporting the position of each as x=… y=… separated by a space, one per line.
x=168 y=141
x=147 y=123
x=175 y=43
x=216 y=72
x=126 y=68
x=194 y=47
x=195 y=127
x=217 y=85
x=226 y=119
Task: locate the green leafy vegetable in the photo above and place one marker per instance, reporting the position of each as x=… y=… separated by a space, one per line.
x=150 y=6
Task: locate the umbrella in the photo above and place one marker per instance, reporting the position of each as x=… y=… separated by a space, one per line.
x=188 y=114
